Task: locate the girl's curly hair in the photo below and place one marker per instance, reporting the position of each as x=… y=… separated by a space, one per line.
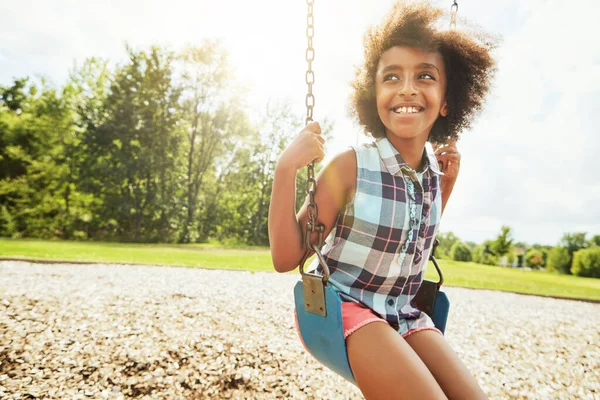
x=469 y=67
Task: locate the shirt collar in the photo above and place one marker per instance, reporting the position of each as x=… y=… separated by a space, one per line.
x=394 y=162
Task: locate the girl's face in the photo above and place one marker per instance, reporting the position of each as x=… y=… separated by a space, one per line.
x=410 y=87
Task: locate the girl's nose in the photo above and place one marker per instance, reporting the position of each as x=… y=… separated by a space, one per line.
x=407 y=88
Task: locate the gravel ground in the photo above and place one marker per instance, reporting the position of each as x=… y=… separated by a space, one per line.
x=116 y=332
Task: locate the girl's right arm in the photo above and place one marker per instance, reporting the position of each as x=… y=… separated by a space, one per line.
x=333 y=182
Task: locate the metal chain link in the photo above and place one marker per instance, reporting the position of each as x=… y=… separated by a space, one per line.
x=311 y=182
x=453 y=11
x=310 y=56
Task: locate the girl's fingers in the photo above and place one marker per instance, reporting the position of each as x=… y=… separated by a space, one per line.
x=453 y=156
x=449 y=161
x=321 y=156
x=448 y=149
x=313 y=127
x=449 y=157
x=320 y=153
x=445 y=159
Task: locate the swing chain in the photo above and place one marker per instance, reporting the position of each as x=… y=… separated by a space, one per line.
x=311 y=183
x=453 y=11
x=310 y=56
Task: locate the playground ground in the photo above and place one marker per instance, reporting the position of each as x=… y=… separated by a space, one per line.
x=146 y=332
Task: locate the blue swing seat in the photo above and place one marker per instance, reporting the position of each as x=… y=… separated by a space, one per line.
x=323 y=336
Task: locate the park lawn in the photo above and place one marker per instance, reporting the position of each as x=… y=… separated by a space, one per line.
x=478 y=276
x=189 y=255
x=469 y=275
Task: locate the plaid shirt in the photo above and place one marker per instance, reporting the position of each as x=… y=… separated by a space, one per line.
x=378 y=251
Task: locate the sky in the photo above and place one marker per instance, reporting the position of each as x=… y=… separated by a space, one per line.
x=530 y=160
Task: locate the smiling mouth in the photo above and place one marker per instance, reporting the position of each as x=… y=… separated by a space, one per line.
x=407 y=110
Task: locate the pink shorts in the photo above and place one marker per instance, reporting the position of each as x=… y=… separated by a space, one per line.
x=355 y=316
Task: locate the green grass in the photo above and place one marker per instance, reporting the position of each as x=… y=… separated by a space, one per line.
x=478 y=276
x=192 y=255
x=214 y=255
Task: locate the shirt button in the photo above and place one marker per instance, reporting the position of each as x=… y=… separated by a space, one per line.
x=391 y=302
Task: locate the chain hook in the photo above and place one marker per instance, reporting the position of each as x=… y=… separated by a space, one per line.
x=453 y=11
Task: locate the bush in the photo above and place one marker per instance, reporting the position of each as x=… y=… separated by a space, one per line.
x=461 y=252
x=8 y=226
x=559 y=260
x=586 y=262
x=511 y=257
x=441 y=254
x=534 y=259
x=545 y=252
x=447 y=240
x=480 y=256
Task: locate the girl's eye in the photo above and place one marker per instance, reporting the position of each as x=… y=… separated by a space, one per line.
x=426 y=75
x=390 y=77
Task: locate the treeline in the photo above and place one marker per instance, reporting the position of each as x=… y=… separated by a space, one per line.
x=163 y=148
x=573 y=255
x=166 y=148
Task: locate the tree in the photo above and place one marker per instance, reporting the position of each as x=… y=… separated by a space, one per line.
x=595 y=241
x=34 y=124
x=472 y=245
x=573 y=242
x=544 y=249
x=15 y=97
x=213 y=121
x=14 y=100
x=84 y=96
x=446 y=240
x=276 y=129
x=559 y=260
x=134 y=152
x=238 y=208
x=586 y=262
x=503 y=243
x=534 y=259
x=482 y=254
x=461 y=252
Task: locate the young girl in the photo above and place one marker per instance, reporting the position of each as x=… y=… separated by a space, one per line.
x=381 y=203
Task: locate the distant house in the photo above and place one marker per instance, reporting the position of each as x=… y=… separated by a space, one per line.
x=520 y=257
x=519 y=261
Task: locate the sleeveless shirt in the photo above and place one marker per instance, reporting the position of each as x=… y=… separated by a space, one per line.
x=379 y=249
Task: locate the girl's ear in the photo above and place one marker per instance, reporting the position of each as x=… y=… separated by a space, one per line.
x=444 y=109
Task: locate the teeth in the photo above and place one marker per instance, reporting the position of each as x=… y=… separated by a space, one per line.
x=406 y=110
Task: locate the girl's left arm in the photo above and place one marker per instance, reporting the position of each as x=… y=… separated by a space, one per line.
x=449 y=156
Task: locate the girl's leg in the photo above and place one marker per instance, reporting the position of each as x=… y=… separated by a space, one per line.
x=385 y=366
x=449 y=371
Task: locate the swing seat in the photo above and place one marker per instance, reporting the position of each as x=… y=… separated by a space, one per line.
x=323 y=336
